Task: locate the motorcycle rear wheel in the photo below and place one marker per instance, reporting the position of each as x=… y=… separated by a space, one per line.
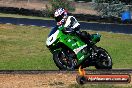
x=104 y=60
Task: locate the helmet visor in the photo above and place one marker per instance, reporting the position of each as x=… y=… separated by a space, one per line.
x=59 y=18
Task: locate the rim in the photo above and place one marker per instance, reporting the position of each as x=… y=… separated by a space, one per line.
x=64 y=60
x=104 y=59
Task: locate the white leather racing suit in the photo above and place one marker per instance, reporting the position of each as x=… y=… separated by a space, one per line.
x=71 y=24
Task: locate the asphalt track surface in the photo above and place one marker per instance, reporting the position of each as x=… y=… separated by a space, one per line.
x=115 y=28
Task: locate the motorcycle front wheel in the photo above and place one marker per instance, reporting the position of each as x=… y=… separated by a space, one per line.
x=63 y=61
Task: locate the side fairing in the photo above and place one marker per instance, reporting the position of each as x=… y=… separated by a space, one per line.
x=75 y=44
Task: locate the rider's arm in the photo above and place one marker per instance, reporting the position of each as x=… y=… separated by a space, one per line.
x=75 y=24
x=71 y=24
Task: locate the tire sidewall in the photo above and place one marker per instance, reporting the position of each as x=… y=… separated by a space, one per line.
x=57 y=61
x=101 y=66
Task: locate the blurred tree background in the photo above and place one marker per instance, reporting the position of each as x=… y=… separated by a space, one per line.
x=111 y=8
x=106 y=1
x=69 y=5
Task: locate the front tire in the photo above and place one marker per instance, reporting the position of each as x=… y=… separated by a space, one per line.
x=104 y=60
x=62 y=60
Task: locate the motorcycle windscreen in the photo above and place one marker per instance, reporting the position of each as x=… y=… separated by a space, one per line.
x=53 y=31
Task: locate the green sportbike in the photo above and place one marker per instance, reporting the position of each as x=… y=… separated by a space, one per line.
x=70 y=51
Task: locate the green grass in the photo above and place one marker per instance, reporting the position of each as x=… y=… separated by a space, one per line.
x=23 y=48
x=23 y=16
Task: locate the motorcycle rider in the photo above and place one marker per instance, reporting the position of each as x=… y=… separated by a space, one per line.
x=71 y=24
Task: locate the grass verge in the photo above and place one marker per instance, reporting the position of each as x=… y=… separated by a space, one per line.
x=23 y=48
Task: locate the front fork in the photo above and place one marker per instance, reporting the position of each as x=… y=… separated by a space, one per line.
x=68 y=55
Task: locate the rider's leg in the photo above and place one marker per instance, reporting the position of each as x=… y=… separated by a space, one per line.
x=86 y=37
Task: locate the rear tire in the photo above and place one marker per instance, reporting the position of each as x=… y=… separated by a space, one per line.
x=104 y=60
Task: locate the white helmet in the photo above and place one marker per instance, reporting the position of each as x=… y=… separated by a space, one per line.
x=60 y=16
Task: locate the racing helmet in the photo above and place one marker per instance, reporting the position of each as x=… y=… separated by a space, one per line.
x=60 y=16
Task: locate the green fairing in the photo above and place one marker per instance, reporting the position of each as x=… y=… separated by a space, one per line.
x=73 y=42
